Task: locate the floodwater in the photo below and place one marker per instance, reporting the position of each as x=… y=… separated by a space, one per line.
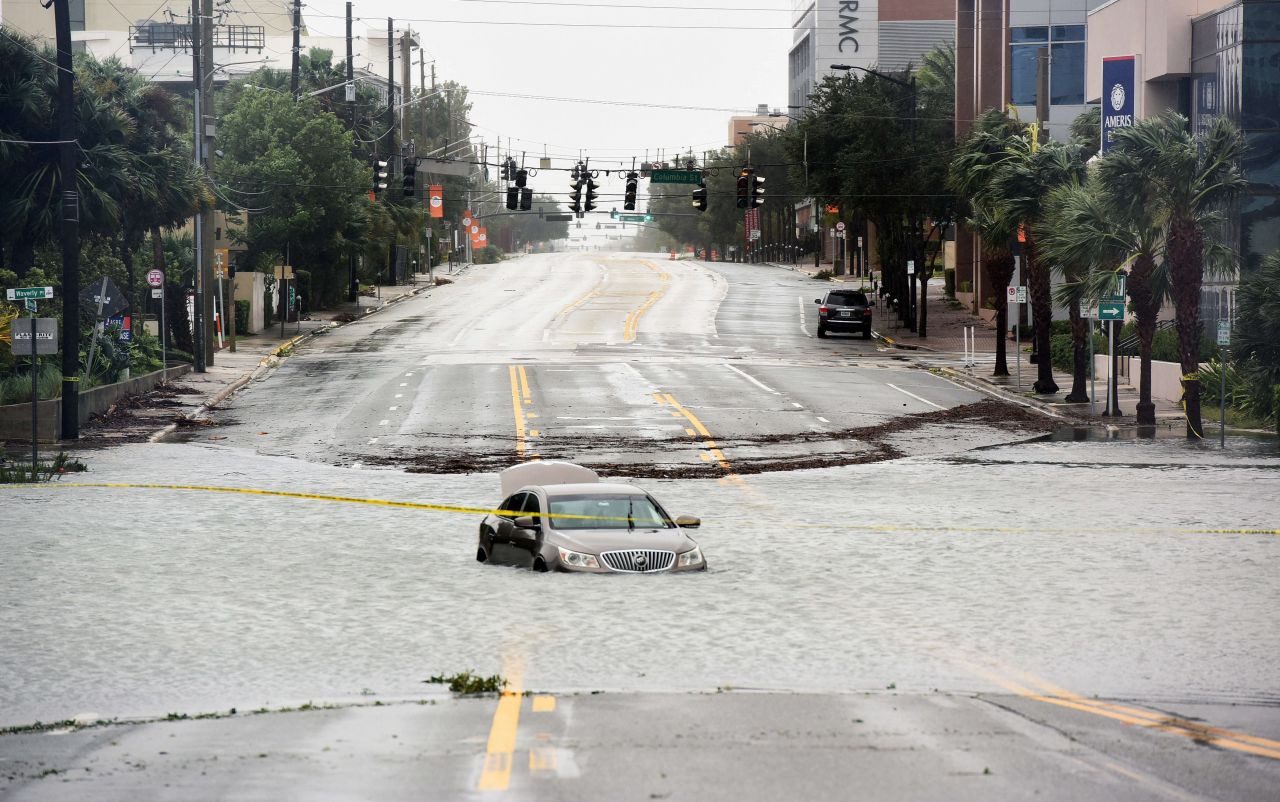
x=1091 y=564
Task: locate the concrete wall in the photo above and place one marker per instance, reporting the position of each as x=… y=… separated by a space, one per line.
x=1157 y=30
x=251 y=287
x=15 y=419
x=1166 y=377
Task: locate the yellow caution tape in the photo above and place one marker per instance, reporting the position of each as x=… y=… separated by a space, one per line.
x=455 y=508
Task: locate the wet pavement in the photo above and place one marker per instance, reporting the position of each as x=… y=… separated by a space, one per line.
x=947 y=548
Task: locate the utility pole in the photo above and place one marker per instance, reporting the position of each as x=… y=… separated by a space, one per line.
x=197 y=74
x=422 y=90
x=353 y=291
x=70 y=226
x=208 y=106
x=404 y=82
x=391 y=131
x=297 y=47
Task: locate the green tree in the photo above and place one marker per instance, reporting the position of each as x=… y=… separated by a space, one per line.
x=1256 y=346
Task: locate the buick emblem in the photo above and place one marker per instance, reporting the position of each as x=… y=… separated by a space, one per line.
x=641 y=560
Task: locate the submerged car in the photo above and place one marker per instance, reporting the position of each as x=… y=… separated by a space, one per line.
x=557 y=516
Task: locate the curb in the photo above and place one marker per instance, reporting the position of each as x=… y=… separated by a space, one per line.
x=978 y=385
x=270 y=361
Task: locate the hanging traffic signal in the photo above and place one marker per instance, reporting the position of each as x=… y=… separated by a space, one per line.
x=633 y=186
x=513 y=198
x=757 y=191
x=744 y=188
x=410 y=177
x=526 y=199
x=380 y=170
x=700 y=197
x=589 y=205
x=575 y=196
x=522 y=177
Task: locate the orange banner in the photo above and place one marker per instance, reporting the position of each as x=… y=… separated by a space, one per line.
x=435 y=200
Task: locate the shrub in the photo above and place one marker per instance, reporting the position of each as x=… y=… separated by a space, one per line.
x=16 y=387
x=242 y=318
x=949 y=283
x=487 y=255
x=822 y=275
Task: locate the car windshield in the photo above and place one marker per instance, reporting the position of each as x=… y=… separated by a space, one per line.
x=847 y=299
x=606 y=512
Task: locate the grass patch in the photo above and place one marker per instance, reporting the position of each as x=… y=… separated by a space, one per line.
x=13 y=472
x=466 y=683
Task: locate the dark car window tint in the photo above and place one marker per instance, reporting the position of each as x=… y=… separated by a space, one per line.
x=531 y=505
x=606 y=512
x=847 y=299
x=512 y=505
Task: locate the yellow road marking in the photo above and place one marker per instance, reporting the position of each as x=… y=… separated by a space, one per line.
x=633 y=319
x=517 y=409
x=1051 y=694
x=689 y=431
x=708 y=443
x=542 y=759
x=502 y=736
x=533 y=433
x=524 y=386
x=543 y=703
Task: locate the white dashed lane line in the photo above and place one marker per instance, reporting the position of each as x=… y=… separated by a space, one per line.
x=753 y=380
x=916 y=397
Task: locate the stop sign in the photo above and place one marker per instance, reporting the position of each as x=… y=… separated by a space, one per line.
x=155 y=277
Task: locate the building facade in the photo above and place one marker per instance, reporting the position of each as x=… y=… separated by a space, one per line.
x=743 y=124
x=885 y=35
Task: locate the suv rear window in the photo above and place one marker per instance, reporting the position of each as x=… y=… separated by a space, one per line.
x=846 y=299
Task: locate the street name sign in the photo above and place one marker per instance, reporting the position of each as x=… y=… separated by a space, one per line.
x=46 y=336
x=559 y=218
x=29 y=293
x=1110 y=310
x=635 y=218
x=675 y=177
x=1224 y=332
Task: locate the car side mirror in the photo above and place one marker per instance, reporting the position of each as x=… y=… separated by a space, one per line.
x=817 y=300
x=525 y=522
x=688 y=522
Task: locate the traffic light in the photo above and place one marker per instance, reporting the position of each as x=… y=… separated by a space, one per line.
x=700 y=197
x=589 y=205
x=410 y=177
x=633 y=185
x=513 y=198
x=526 y=199
x=522 y=177
x=744 y=188
x=380 y=175
x=757 y=191
x=575 y=196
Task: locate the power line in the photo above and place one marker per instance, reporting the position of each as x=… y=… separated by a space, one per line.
x=627 y=5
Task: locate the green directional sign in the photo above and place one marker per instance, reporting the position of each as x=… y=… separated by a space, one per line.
x=30 y=293
x=675 y=177
x=635 y=218
x=1111 y=310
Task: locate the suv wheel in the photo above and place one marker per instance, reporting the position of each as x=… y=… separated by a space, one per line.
x=866 y=333
x=822 y=332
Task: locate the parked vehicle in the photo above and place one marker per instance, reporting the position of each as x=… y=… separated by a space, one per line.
x=844 y=310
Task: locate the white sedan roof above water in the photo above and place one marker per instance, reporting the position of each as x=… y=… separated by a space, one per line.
x=544 y=473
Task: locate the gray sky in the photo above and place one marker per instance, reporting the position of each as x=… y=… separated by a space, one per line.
x=674 y=64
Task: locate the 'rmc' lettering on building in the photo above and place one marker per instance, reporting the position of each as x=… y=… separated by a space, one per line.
x=848 y=33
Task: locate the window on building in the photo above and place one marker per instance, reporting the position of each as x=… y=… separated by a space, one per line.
x=1066 y=63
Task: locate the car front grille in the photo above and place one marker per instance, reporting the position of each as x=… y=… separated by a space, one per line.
x=639 y=561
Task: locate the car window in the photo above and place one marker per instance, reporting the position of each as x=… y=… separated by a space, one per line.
x=606 y=512
x=530 y=506
x=846 y=298
x=512 y=505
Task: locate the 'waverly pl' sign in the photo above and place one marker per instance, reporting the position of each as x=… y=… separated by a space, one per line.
x=1119 y=95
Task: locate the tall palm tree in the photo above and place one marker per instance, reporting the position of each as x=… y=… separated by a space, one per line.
x=1190 y=181
x=978 y=160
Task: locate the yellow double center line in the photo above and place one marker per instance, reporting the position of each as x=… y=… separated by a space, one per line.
x=1044 y=691
x=521 y=397
x=708 y=442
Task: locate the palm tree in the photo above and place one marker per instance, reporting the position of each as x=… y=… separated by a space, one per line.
x=1189 y=181
x=973 y=170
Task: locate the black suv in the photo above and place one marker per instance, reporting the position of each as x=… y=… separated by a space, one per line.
x=844 y=310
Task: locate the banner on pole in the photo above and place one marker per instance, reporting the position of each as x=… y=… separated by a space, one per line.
x=435 y=200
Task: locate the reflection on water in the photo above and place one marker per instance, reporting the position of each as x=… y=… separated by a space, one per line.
x=1055 y=557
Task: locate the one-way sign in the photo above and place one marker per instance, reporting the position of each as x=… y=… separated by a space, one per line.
x=1111 y=310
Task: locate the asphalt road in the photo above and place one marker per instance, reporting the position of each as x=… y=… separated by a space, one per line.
x=938 y=607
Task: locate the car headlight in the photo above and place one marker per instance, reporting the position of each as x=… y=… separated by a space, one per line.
x=576 y=559
x=689 y=558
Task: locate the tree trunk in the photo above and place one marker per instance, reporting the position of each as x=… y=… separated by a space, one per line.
x=1000 y=271
x=1079 y=357
x=1186 y=255
x=157 y=250
x=1042 y=306
x=1145 y=307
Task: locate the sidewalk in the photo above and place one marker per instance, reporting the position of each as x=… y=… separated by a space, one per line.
x=943 y=349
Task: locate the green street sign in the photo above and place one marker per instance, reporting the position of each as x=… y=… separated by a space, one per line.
x=635 y=218
x=675 y=177
x=29 y=293
x=1111 y=310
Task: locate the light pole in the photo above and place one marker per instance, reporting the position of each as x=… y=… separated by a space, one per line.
x=907 y=283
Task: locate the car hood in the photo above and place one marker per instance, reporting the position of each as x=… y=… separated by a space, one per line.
x=597 y=540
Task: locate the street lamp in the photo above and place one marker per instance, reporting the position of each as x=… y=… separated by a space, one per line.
x=910 y=311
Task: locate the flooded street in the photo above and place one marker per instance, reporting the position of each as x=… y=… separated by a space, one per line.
x=1091 y=564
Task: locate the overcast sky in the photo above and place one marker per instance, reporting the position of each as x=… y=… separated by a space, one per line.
x=674 y=63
